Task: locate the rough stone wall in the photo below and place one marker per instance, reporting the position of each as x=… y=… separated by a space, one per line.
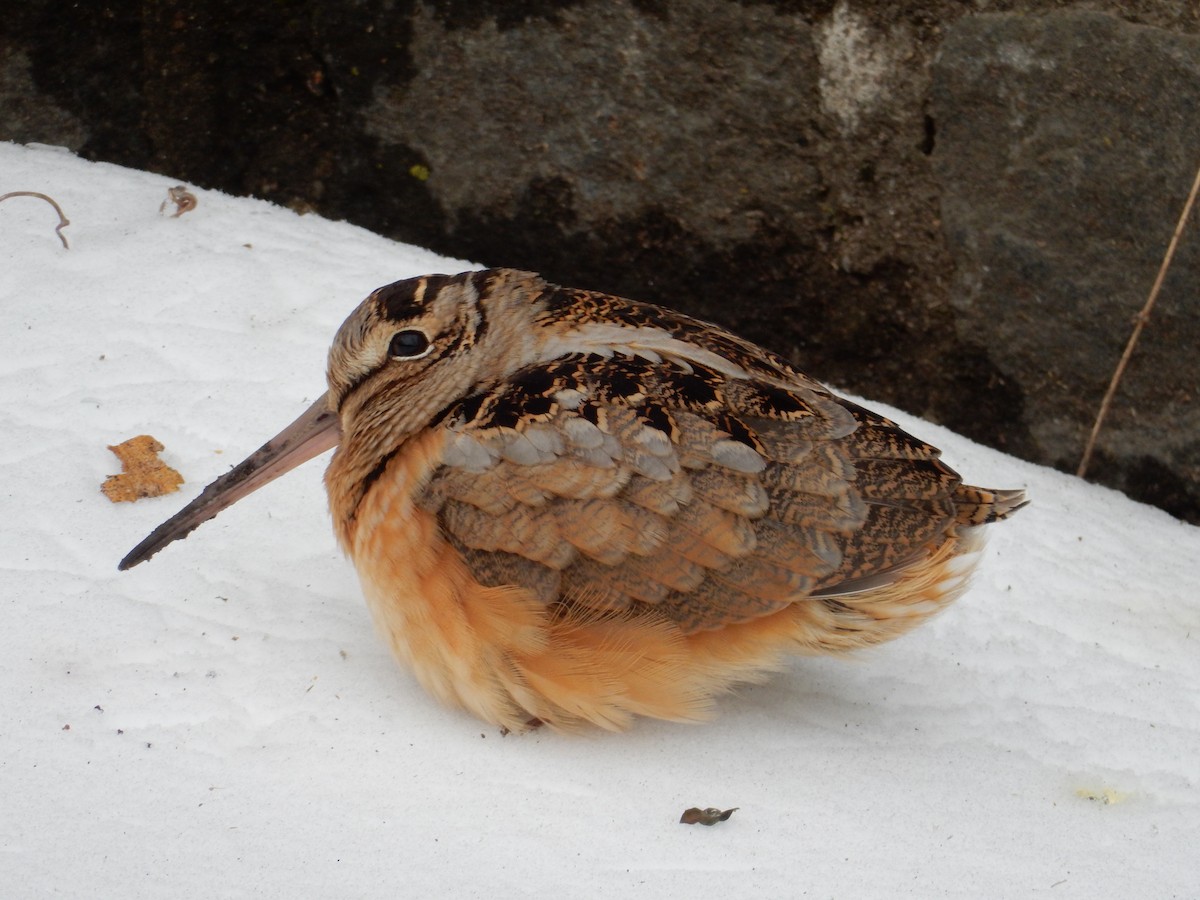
x=954 y=207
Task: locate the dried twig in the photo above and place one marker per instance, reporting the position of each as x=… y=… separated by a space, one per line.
x=63 y=221
x=1139 y=323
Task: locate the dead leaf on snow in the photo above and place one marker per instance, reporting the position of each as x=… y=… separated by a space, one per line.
x=709 y=816
x=143 y=473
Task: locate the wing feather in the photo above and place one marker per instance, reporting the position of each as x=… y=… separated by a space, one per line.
x=624 y=480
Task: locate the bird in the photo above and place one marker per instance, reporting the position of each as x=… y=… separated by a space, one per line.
x=566 y=508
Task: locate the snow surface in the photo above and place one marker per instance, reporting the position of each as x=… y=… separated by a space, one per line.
x=223 y=722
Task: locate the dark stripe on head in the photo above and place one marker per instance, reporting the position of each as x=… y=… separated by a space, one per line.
x=482 y=282
x=401 y=300
x=460 y=338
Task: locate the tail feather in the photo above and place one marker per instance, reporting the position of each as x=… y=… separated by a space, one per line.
x=980 y=506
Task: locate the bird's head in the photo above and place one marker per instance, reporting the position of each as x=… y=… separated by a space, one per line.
x=414 y=347
x=406 y=353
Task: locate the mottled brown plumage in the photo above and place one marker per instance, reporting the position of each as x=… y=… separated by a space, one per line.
x=571 y=507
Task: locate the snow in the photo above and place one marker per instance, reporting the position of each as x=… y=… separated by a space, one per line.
x=223 y=722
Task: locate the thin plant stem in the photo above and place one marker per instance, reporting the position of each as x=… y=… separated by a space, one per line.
x=63 y=221
x=1139 y=323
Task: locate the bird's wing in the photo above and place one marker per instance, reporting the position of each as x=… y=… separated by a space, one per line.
x=623 y=480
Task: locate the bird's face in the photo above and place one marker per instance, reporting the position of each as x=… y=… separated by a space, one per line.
x=414 y=347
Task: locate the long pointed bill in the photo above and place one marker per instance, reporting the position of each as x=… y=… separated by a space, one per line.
x=316 y=430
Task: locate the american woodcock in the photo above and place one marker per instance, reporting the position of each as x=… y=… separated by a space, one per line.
x=569 y=507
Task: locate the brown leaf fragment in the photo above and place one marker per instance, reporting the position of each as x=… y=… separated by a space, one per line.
x=184 y=200
x=709 y=816
x=143 y=473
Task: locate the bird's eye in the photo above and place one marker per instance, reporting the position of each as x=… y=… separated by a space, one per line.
x=408 y=344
